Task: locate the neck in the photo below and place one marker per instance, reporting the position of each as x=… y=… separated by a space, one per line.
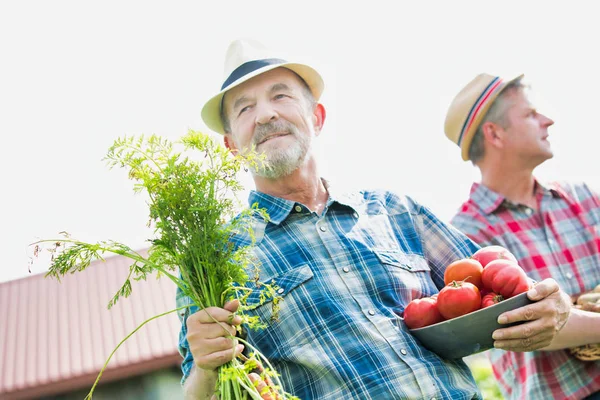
x=303 y=186
x=514 y=183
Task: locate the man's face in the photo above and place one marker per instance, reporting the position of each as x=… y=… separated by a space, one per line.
x=272 y=113
x=527 y=131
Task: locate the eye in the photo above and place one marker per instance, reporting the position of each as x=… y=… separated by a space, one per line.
x=279 y=96
x=244 y=110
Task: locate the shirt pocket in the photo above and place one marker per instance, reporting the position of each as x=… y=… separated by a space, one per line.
x=282 y=329
x=409 y=276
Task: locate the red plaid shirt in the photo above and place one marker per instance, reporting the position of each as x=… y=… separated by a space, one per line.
x=560 y=240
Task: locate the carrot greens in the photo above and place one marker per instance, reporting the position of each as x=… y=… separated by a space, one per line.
x=195 y=212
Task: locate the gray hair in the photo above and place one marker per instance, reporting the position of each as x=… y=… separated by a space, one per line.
x=310 y=99
x=497 y=115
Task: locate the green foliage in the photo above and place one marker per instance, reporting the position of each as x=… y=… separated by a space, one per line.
x=484 y=376
x=192 y=202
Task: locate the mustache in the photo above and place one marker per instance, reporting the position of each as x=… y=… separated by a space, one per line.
x=263 y=131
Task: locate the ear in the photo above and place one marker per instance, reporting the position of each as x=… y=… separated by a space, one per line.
x=228 y=141
x=318 y=117
x=493 y=134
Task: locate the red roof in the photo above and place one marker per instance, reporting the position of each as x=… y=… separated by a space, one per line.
x=55 y=337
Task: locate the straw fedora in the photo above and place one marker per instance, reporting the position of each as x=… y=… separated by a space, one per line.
x=470 y=106
x=244 y=60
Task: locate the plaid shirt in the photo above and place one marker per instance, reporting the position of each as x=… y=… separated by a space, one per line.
x=345 y=278
x=560 y=240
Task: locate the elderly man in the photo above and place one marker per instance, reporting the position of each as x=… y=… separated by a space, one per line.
x=346 y=264
x=551 y=228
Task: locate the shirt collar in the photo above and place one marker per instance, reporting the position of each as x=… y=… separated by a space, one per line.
x=489 y=201
x=279 y=209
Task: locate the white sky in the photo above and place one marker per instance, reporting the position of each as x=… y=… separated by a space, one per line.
x=75 y=75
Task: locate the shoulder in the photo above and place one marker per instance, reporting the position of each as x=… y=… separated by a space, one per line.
x=474 y=222
x=574 y=188
x=393 y=202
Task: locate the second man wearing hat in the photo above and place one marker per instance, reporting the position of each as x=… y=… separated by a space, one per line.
x=551 y=228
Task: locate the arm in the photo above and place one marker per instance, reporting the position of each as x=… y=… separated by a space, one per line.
x=442 y=243
x=582 y=327
x=200 y=384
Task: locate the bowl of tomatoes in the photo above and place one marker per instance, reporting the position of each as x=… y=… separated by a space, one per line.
x=460 y=319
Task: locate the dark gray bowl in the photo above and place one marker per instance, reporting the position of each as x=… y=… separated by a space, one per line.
x=470 y=333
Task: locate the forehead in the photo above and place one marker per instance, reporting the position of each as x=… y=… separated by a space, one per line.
x=519 y=98
x=264 y=82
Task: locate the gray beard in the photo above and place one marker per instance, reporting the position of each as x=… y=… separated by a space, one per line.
x=281 y=162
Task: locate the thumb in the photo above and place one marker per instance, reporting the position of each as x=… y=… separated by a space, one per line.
x=232 y=305
x=543 y=289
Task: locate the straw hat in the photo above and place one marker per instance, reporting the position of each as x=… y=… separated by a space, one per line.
x=470 y=106
x=244 y=60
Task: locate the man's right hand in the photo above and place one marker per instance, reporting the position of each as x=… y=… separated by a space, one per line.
x=208 y=339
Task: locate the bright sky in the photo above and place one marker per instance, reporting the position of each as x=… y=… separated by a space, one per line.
x=74 y=76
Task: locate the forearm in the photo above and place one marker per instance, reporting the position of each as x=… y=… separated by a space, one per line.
x=200 y=385
x=582 y=327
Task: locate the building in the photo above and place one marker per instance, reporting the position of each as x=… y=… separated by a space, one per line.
x=56 y=336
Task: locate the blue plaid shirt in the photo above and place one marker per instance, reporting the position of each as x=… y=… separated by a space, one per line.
x=345 y=277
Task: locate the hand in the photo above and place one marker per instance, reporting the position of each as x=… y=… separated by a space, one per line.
x=545 y=318
x=264 y=386
x=208 y=339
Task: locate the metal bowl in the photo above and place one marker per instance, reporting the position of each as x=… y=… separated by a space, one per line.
x=470 y=333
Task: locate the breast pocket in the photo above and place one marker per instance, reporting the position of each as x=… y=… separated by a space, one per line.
x=410 y=274
x=283 y=317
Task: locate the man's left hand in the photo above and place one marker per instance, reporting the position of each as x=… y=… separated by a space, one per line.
x=544 y=319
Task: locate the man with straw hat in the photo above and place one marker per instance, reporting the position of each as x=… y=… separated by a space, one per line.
x=552 y=228
x=346 y=264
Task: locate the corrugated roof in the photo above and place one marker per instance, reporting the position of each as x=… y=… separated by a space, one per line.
x=57 y=336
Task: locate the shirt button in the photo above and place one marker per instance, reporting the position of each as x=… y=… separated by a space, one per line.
x=569 y=275
x=280 y=290
x=403 y=352
x=298 y=208
x=322 y=228
x=371 y=312
x=346 y=269
x=528 y=211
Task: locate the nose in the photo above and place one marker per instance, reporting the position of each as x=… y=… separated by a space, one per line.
x=265 y=113
x=546 y=122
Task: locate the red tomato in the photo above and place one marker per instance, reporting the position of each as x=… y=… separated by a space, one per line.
x=458 y=298
x=505 y=277
x=422 y=312
x=490 y=299
x=490 y=253
x=464 y=270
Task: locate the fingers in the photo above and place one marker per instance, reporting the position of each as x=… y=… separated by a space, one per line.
x=213 y=360
x=214 y=314
x=263 y=387
x=232 y=305
x=543 y=289
x=525 y=337
x=522 y=345
x=555 y=306
x=209 y=336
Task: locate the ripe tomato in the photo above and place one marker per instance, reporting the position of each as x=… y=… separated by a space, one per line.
x=464 y=270
x=491 y=253
x=505 y=277
x=422 y=312
x=458 y=298
x=490 y=299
